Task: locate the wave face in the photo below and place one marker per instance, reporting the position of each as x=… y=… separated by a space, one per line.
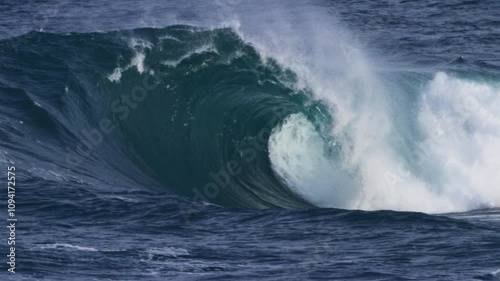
x=223 y=116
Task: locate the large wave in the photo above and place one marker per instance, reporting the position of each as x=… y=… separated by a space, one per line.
x=257 y=119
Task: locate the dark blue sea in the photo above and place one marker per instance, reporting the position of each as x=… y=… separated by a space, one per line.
x=250 y=140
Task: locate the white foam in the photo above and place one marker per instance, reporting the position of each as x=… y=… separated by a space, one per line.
x=137 y=61
x=124 y=199
x=116 y=75
x=298 y=156
x=168 y=37
x=202 y=49
x=68 y=246
x=458 y=173
x=71 y=247
x=460 y=121
x=167 y=251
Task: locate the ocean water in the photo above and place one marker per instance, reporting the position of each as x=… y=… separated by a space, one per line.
x=251 y=140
